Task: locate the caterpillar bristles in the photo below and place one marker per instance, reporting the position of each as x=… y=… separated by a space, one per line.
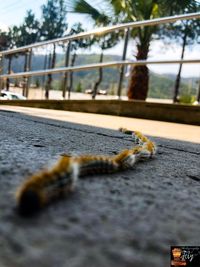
x=48 y=185
x=45 y=186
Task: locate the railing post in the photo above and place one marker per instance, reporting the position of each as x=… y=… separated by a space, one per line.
x=44 y=77
x=25 y=79
x=27 y=66
x=1 y=72
x=97 y=83
x=121 y=75
x=66 y=74
x=49 y=79
x=9 y=72
x=198 y=95
x=71 y=75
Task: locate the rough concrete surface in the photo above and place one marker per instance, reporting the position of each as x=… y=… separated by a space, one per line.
x=127 y=219
x=177 y=131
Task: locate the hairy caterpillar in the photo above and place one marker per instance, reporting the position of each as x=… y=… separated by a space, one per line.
x=47 y=185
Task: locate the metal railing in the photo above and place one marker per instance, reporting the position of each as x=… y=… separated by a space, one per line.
x=27 y=50
x=95 y=66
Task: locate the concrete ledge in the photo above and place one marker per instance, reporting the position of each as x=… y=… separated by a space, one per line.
x=137 y=109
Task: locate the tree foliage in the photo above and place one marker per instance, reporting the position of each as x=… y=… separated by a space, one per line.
x=184 y=32
x=27 y=33
x=74 y=46
x=5 y=40
x=176 y=31
x=100 y=17
x=119 y=11
x=53 y=26
x=54 y=23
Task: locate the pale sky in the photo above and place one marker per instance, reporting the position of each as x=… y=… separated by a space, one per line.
x=12 y=12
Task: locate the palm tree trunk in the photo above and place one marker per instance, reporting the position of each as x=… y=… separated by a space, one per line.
x=139 y=80
x=178 y=77
x=97 y=83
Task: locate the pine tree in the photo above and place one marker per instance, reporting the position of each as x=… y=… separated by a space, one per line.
x=53 y=26
x=27 y=33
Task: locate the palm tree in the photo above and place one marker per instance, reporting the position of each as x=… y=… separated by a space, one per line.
x=135 y=11
x=118 y=11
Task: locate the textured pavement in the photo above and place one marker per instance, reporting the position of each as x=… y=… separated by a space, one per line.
x=127 y=219
x=176 y=131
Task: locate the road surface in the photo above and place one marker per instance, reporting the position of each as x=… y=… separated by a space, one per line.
x=125 y=219
x=175 y=131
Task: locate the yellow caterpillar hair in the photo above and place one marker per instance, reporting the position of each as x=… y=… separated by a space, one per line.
x=47 y=185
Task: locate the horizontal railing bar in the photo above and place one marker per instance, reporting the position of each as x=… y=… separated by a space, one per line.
x=97 y=65
x=104 y=30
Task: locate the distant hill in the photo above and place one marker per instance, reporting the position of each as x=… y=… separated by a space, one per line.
x=160 y=86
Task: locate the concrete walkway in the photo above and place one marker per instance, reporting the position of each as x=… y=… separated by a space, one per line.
x=127 y=219
x=175 y=131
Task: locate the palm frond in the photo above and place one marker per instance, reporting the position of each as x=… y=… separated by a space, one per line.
x=83 y=7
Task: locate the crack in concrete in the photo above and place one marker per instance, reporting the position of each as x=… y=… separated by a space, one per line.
x=195 y=178
x=179 y=149
x=69 y=128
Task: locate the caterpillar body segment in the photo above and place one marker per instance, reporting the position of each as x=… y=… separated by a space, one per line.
x=89 y=165
x=47 y=185
x=125 y=131
x=141 y=140
x=43 y=187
